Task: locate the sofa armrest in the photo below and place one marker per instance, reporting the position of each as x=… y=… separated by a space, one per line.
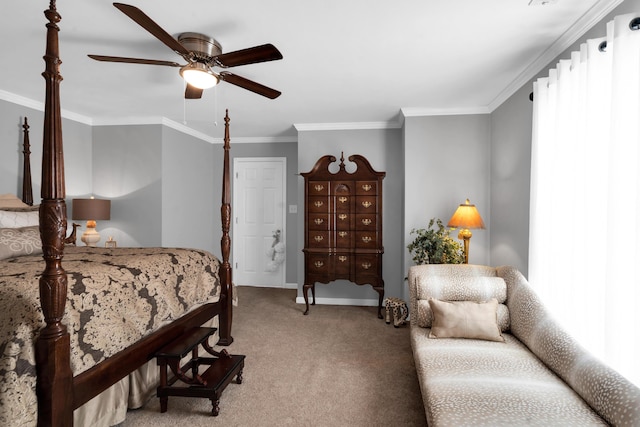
x=612 y=396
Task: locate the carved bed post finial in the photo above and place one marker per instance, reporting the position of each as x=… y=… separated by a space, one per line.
x=27 y=188
x=226 y=280
x=54 y=386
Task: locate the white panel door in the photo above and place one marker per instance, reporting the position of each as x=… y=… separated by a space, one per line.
x=259 y=220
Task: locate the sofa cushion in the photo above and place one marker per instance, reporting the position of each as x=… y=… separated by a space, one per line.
x=485 y=383
x=465 y=319
x=460 y=288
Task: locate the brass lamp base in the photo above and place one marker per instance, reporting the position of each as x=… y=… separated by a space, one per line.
x=465 y=235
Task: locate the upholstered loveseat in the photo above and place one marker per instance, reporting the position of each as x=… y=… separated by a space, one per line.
x=524 y=371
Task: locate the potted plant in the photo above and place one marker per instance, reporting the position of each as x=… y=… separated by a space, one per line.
x=435 y=246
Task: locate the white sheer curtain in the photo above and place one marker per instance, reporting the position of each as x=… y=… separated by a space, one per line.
x=585 y=195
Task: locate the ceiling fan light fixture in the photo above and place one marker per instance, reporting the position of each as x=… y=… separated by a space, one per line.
x=199 y=75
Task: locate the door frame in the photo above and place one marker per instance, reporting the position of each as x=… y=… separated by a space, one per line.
x=236 y=246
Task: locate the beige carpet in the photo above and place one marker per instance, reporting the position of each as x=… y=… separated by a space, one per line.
x=338 y=366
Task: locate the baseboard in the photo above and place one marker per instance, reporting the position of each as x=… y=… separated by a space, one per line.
x=340 y=301
x=291 y=285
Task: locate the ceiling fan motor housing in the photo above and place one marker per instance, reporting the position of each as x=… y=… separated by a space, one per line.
x=204 y=48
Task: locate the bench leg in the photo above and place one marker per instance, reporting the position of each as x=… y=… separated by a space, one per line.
x=215 y=404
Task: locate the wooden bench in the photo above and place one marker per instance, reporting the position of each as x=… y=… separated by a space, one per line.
x=211 y=383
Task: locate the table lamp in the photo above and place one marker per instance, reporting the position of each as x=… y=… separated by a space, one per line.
x=466 y=217
x=91 y=210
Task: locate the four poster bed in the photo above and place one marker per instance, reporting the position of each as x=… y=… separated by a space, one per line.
x=97 y=316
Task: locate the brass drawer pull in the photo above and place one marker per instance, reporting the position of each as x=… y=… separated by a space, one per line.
x=342 y=199
x=366 y=221
x=366 y=187
x=318 y=203
x=318 y=221
x=342 y=217
x=366 y=265
x=318 y=238
x=342 y=233
x=342 y=258
x=318 y=187
x=366 y=203
x=366 y=239
x=318 y=264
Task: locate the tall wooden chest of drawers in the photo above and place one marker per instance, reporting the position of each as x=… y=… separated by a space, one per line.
x=343 y=226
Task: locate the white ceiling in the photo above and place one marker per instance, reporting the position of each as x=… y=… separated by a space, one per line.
x=347 y=63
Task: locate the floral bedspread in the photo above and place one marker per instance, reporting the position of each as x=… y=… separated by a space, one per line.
x=115 y=297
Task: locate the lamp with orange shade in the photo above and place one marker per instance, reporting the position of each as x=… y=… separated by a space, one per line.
x=466 y=217
x=91 y=210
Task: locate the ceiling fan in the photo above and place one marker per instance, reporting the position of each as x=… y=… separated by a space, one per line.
x=201 y=53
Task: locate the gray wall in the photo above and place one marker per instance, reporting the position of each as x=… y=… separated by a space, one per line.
x=191 y=192
x=289 y=150
x=510 y=173
x=383 y=149
x=77 y=152
x=127 y=168
x=446 y=160
x=164 y=185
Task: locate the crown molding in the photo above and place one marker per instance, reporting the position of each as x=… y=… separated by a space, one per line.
x=39 y=106
x=420 y=112
x=577 y=30
x=304 y=127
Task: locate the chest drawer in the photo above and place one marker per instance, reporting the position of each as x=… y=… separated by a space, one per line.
x=342 y=265
x=318 y=204
x=318 y=188
x=369 y=188
x=366 y=222
x=343 y=203
x=368 y=268
x=366 y=204
x=344 y=238
x=319 y=221
x=317 y=267
x=319 y=239
x=343 y=221
x=366 y=239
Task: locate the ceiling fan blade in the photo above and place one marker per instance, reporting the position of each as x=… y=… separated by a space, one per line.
x=148 y=24
x=251 y=55
x=192 y=92
x=133 y=60
x=244 y=83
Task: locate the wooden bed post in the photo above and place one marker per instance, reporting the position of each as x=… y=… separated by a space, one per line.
x=54 y=386
x=27 y=189
x=226 y=281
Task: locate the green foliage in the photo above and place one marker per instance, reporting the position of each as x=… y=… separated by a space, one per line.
x=435 y=246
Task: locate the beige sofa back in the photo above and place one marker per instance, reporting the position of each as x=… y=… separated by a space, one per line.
x=613 y=397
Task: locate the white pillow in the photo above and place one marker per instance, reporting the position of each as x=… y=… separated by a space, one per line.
x=465 y=319
x=18 y=219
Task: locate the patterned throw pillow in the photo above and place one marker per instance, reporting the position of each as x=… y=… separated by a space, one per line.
x=19 y=241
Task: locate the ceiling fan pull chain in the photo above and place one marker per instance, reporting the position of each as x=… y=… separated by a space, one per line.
x=215 y=107
x=184 y=105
